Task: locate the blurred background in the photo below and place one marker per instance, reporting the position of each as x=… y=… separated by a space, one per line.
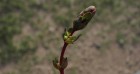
x=31 y=37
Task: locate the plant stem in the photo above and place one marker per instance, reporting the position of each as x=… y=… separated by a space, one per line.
x=63 y=52
x=62 y=71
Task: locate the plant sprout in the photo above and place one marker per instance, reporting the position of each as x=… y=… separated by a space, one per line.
x=78 y=24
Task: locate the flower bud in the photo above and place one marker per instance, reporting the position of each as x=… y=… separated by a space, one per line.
x=85 y=16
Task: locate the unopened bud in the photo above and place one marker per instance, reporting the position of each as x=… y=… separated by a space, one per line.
x=84 y=17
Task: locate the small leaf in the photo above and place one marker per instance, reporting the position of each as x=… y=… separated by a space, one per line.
x=56 y=64
x=64 y=63
x=77 y=37
x=66 y=34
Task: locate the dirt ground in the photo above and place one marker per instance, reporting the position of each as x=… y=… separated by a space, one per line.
x=96 y=52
